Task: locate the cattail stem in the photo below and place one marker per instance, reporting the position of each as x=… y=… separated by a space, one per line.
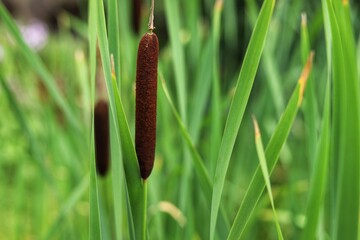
x=145 y=109
x=151 y=18
x=144 y=223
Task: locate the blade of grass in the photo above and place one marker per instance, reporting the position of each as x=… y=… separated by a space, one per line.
x=200 y=93
x=173 y=19
x=83 y=76
x=116 y=156
x=144 y=221
x=269 y=61
x=272 y=153
x=319 y=176
x=266 y=175
x=310 y=108
x=192 y=9
x=132 y=173
x=216 y=125
x=201 y=171
x=114 y=36
x=237 y=108
x=94 y=228
x=128 y=46
x=118 y=185
x=173 y=22
x=131 y=168
x=172 y=15
x=329 y=218
x=36 y=63
x=103 y=210
x=348 y=128
x=200 y=168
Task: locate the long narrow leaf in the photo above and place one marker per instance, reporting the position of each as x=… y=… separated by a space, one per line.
x=94 y=228
x=265 y=172
x=132 y=173
x=216 y=116
x=200 y=169
x=239 y=102
x=346 y=138
x=318 y=181
x=310 y=110
x=272 y=153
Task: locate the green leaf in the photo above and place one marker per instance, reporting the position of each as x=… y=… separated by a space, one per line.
x=310 y=108
x=319 y=176
x=198 y=162
x=216 y=116
x=200 y=169
x=346 y=115
x=94 y=228
x=118 y=183
x=135 y=185
x=265 y=172
x=272 y=152
x=237 y=108
x=114 y=36
x=173 y=24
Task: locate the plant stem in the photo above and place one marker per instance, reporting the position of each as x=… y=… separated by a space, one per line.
x=144 y=210
x=151 y=18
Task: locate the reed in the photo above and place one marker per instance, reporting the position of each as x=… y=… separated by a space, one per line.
x=184 y=164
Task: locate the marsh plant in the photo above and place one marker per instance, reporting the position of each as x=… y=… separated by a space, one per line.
x=193 y=119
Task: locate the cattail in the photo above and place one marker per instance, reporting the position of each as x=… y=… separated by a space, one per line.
x=101 y=125
x=146 y=93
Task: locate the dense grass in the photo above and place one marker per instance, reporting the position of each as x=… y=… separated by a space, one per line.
x=220 y=63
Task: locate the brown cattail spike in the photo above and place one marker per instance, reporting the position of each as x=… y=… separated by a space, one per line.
x=146 y=93
x=101 y=125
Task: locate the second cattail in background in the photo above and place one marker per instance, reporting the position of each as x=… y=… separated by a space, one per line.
x=146 y=94
x=101 y=131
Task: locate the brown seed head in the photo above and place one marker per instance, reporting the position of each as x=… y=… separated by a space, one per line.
x=101 y=126
x=146 y=93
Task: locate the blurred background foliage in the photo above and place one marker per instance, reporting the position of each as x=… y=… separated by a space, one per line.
x=44 y=158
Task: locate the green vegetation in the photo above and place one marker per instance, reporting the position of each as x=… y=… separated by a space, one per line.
x=292 y=65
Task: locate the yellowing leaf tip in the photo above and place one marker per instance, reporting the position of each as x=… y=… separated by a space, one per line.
x=303 y=19
x=256 y=127
x=113 y=74
x=305 y=75
x=219 y=5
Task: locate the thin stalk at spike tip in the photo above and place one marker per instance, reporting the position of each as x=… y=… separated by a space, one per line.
x=151 y=26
